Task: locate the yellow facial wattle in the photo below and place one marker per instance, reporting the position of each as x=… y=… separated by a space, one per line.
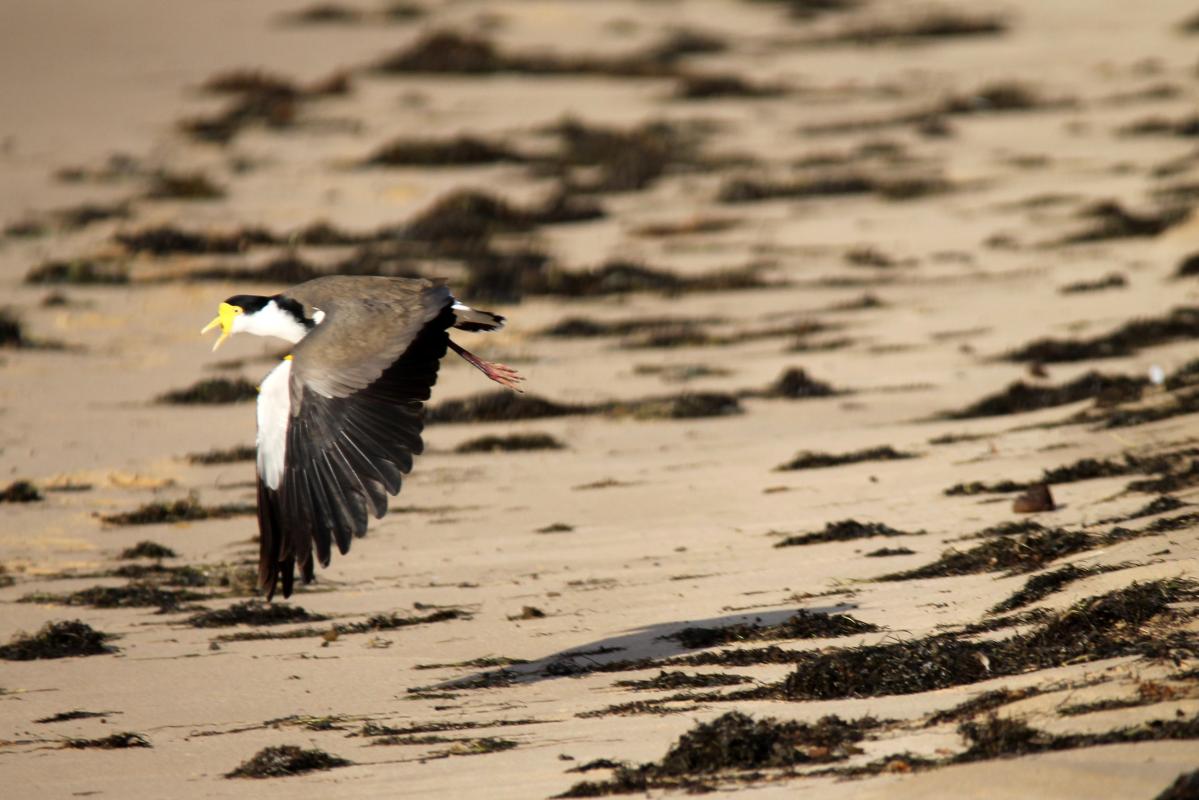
x=225 y=316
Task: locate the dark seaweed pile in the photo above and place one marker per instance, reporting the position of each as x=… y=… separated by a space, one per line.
x=812 y=460
x=1180 y=324
x=845 y=530
x=187 y=509
x=57 y=640
x=801 y=625
x=283 y=760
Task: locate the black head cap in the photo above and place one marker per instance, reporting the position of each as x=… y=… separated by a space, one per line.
x=248 y=303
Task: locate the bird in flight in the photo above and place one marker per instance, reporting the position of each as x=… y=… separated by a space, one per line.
x=340 y=418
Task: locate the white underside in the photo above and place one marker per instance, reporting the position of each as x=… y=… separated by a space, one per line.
x=274 y=411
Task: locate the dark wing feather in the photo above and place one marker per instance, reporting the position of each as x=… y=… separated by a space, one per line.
x=344 y=456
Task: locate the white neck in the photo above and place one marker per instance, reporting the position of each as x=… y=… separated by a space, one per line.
x=271 y=320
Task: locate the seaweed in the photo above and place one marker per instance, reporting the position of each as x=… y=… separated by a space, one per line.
x=451 y=52
x=853 y=182
x=230 y=455
x=252 y=612
x=998 y=96
x=10 y=330
x=1112 y=280
x=924 y=25
x=981 y=703
x=67 y=716
x=587 y=327
x=20 y=492
x=1019 y=553
x=510 y=443
x=163 y=240
x=186 y=509
x=134 y=595
x=500 y=406
x=1113 y=624
x=374 y=624
x=681 y=680
x=795 y=384
x=884 y=552
x=735 y=741
x=813 y=460
x=1110 y=220
x=212 y=391
x=57 y=640
x=688 y=227
x=800 y=625
x=997 y=737
x=283 y=760
x=166 y=185
x=1020 y=397
x=1038 y=587
x=116 y=741
x=235 y=579
x=556 y=527
x=468 y=218
x=80 y=272
x=1185 y=126
x=261 y=99
x=1186 y=785
x=621 y=160
x=687 y=405
x=706 y=86
x=1180 y=324
x=843 y=531
x=459 y=150
x=482 y=746
x=147 y=549
x=324 y=13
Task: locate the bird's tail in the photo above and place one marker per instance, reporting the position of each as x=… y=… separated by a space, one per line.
x=472 y=319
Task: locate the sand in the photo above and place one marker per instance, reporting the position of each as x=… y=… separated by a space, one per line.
x=672 y=522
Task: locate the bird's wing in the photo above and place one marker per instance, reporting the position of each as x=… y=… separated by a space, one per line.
x=327 y=458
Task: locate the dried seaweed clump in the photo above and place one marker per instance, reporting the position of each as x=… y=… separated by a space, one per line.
x=1180 y=324
x=284 y=760
x=463 y=221
x=845 y=530
x=147 y=549
x=813 y=460
x=1021 y=398
x=253 y=612
x=456 y=151
x=1109 y=220
x=796 y=384
x=133 y=595
x=57 y=640
x=261 y=99
x=920 y=25
x=116 y=741
x=510 y=443
x=1019 y=553
x=20 y=492
x=1121 y=622
x=621 y=160
x=826 y=184
x=735 y=741
x=800 y=625
x=80 y=272
x=212 y=391
x=500 y=406
x=187 y=509
x=245 y=452
x=687 y=405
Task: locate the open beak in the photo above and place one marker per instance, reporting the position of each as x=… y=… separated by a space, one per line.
x=224 y=318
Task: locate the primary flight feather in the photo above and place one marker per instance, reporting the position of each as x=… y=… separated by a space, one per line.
x=340 y=419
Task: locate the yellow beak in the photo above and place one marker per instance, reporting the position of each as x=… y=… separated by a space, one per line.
x=224 y=318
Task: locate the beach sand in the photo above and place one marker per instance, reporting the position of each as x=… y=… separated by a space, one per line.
x=909 y=197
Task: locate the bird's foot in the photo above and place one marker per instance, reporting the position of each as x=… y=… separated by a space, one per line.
x=502 y=374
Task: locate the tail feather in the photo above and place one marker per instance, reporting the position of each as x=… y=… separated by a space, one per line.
x=472 y=319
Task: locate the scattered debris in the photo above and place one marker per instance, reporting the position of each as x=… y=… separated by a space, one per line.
x=1112 y=280
x=1021 y=398
x=245 y=452
x=80 y=271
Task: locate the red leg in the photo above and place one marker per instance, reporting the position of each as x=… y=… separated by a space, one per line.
x=500 y=373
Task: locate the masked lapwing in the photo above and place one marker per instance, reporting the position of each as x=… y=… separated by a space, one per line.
x=340 y=418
